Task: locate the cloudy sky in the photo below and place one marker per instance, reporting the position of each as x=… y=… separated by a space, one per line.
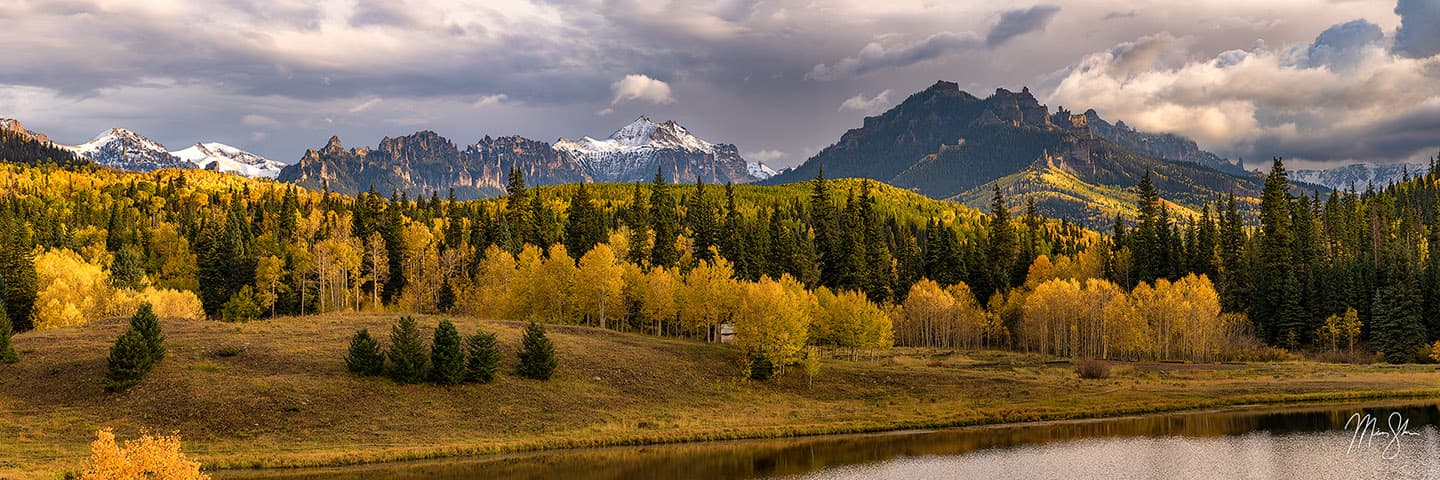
x=1320 y=81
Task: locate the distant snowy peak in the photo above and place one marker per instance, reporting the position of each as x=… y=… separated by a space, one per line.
x=224 y=158
x=760 y=171
x=13 y=125
x=1360 y=175
x=636 y=150
x=127 y=150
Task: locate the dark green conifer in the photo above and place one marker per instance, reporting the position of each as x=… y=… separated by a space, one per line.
x=130 y=359
x=447 y=356
x=407 y=352
x=482 y=358
x=364 y=357
x=537 y=354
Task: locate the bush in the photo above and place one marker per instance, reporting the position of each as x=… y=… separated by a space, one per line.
x=1092 y=368
x=157 y=457
x=130 y=360
x=447 y=357
x=445 y=299
x=7 y=351
x=365 y=357
x=1435 y=352
x=761 y=368
x=145 y=322
x=242 y=306
x=537 y=354
x=482 y=360
x=407 y=352
x=233 y=350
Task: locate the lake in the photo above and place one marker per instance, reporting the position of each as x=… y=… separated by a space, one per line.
x=1264 y=443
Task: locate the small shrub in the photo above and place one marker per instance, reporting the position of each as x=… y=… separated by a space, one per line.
x=7 y=351
x=760 y=368
x=537 y=354
x=1435 y=352
x=241 y=307
x=228 y=351
x=482 y=359
x=447 y=357
x=157 y=457
x=407 y=352
x=1092 y=368
x=130 y=360
x=364 y=357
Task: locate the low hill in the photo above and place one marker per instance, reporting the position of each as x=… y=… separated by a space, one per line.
x=286 y=399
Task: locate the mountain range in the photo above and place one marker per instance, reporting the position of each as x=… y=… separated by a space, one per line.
x=425 y=162
x=127 y=150
x=946 y=143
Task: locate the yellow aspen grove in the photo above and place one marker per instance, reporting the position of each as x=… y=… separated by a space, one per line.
x=973 y=326
x=849 y=320
x=658 y=302
x=707 y=297
x=489 y=295
x=72 y=291
x=598 y=285
x=554 y=300
x=926 y=317
x=773 y=320
x=520 y=301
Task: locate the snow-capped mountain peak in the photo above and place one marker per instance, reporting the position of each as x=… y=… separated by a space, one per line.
x=636 y=150
x=224 y=158
x=1359 y=175
x=759 y=170
x=127 y=150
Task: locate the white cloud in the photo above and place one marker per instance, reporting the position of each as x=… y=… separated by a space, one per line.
x=640 y=87
x=877 y=57
x=859 y=103
x=488 y=100
x=1261 y=102
x=365 y=105
x=254 y=120
x=769 y=156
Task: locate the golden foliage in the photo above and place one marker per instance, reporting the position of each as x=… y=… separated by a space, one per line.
x=145 y=458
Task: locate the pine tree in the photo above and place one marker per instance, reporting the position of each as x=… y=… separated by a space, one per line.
x=1001 y=250
x=666 y=223
x=1397 y=327
x=1150 y=240
x=482 y=359
x=700 y=217
x=445 y=298
x=880 y=272
x=407 y=352
x=7 y=351
x=1274 y=304
x=17 y=268
x=147 y=324
x=637 y=218
x=519 y=217
x=130 y=359
x=824 y=223
x=447 y=356
x=1234 y=295
x=364 y=357
x=537 y=354
x=584 y=228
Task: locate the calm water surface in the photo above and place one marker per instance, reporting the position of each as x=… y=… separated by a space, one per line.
x=1293 y=443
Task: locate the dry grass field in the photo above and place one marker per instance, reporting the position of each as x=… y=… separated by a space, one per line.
x=286 y=399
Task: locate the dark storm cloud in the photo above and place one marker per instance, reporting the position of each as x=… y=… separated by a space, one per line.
x=1410 y=135
x=1015 y=23
x=1419 y=32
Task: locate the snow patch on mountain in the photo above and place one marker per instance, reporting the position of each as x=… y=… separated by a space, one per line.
x=127 y=150
x=635 y=150
x=760 y=171
x=224 y=158
x=1360 y=175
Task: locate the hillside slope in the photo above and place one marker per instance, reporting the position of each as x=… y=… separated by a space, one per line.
x=286 y=399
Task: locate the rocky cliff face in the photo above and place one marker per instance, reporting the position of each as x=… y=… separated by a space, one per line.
x=425 y=162
x=1167 y=146
x=14 y=126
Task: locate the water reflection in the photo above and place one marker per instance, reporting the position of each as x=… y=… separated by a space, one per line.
x=1288 y=443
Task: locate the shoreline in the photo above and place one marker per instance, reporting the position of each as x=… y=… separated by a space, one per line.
x=1308 y=401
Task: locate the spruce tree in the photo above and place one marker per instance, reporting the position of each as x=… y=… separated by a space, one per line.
x=130 y=359
x=7 y=351
x=666 y=223
x=537 y=354
x=825 y=224
x=637 y=218
x=1276 y=289
x=147 y=324
x=17 y=268
x=584 y=227
x=482 y=358
x=447 y=356
x=1233 y=279
x=1001 y=248
x=445 y=298
x=407 y=352
x=700 y=217
x=364 y=357
x=519 y=216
